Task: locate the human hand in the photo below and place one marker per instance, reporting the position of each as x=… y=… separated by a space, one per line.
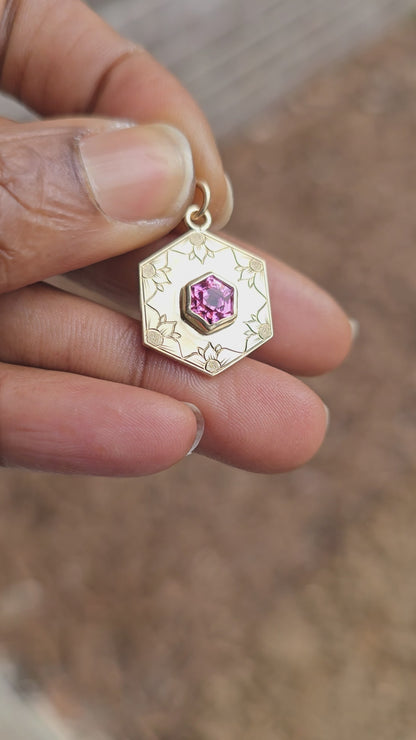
x=78 y=392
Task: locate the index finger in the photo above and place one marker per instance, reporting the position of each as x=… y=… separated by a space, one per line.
x=60 y=58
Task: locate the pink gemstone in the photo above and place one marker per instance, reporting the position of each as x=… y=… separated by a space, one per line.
x=212 y=299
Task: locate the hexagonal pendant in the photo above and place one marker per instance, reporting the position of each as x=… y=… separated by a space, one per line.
x=204 y=302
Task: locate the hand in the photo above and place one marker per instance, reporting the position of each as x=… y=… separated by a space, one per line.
x=78 y=392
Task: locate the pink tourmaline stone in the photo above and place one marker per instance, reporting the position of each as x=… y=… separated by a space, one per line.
x=212 y=300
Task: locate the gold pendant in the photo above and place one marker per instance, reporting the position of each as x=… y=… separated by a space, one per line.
x=204 y=300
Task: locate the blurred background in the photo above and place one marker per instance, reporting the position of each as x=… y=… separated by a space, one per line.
x=252 y=607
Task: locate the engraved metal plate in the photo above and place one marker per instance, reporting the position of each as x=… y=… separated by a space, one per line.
x=205 y=302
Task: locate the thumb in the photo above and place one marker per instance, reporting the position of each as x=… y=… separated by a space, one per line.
x=74 y=192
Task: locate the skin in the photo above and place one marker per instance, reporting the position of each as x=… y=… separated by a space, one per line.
x=78 y=392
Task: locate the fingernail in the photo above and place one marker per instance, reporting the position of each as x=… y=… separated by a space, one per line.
x=139 y=173
x=328 y=416
x=200 y=426
x=355 y=328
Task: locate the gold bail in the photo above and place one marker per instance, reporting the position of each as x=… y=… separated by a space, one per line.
x=195 y=213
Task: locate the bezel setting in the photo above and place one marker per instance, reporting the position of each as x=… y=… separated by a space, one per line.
x=197 y=321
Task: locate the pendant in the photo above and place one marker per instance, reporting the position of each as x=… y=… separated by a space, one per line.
x=204 y=300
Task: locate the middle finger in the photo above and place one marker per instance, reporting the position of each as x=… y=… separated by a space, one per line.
x=312 y=334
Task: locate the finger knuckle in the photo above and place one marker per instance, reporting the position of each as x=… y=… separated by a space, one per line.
x=7 y=261
x=10 y=255
x=22 y=192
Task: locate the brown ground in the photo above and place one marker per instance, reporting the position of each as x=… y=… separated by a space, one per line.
x=244 y=607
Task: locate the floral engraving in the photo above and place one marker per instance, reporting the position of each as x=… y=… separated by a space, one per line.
x=250 y=271
x=162 y=333
x=154 y=337
x=265 y=331
x=200 y=249
x=157 y=271
x=259 y=326
x=215 y=357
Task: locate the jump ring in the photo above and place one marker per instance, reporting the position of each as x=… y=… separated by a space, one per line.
x=192 y=216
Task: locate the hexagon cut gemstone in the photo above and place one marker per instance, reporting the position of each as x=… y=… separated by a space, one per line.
x=212 y=299
x=209 y=303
